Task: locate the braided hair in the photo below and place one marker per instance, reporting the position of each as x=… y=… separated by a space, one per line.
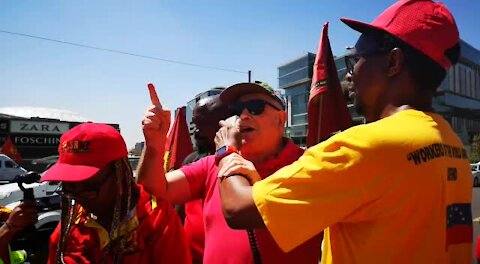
x=71 y=210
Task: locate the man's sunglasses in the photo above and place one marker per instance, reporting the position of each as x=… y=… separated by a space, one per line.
x=351 y=60
x=254 y=107
x=89 y=194
x=369 y=45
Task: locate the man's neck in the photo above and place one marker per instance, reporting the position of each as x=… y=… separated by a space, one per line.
x=260 y=157
x=403 y=96
x=391 y=109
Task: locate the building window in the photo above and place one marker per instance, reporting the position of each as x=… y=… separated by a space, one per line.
x=477 y=85
x=299 y=104
x=457 y=78
x=462 y=81
x=451 y=79
x=299 y=119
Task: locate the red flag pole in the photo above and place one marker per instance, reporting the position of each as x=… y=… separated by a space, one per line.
x=178 y=145
x=327 y=107
x=320 y=112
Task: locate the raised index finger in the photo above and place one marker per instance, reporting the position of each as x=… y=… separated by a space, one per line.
x=153 y=95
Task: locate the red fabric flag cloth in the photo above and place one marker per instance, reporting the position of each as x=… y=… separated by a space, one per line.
x=11 y=150
x=179 y=144
x=327 y=108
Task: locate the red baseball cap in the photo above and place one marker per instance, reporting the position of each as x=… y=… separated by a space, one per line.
x=423 y=24
x=84 y=150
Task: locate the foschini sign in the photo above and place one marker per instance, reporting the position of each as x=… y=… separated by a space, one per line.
x=35 y=140
x=35 y=127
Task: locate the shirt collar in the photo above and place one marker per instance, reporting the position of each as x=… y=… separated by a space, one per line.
x=283 y=157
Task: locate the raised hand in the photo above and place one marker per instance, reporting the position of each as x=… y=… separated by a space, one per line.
x=22 y=216
x=155 y=122
x=229 y=133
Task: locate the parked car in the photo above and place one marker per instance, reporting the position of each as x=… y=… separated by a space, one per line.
x=9 y=169
x=134 y=163
x=42 y=164
x=476 y=174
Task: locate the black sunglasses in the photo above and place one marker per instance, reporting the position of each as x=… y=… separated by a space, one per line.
x=254 y=107
x=369 y=45
x=89 y=194
x=350 y=61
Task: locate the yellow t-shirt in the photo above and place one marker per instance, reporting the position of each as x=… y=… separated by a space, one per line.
x=393 y=191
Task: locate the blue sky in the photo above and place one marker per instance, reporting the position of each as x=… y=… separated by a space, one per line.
x=108 y=87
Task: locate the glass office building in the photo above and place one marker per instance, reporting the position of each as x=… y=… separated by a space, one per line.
x=457 y=99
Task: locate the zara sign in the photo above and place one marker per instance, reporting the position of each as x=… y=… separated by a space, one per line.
x=35 y=127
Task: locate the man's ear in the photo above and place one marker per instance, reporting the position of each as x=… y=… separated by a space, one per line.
x=396 y=61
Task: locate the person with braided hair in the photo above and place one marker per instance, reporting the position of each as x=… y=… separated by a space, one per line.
x=106 y=217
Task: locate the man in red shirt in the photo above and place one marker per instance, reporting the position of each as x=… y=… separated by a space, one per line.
x=262 y=120
x=205 y=116
x=106 y=217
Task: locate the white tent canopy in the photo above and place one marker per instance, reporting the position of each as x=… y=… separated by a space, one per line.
x=43 y=112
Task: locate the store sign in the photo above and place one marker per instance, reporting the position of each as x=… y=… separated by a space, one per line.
x=34 y=127
x=36 y=140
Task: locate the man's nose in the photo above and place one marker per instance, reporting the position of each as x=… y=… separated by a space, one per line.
x=245 y=114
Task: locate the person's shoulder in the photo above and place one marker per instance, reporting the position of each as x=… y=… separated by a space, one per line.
x=379 y=130
x=291 y=149
x=200 y=160
x=208 y=160
x=194 y=156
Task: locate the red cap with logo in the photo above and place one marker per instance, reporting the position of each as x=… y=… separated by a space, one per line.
x=84 y=150
x=423 y=24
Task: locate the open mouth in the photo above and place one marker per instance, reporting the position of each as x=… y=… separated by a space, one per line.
x=246 y=129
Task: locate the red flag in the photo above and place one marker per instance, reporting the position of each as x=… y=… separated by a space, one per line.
x=11 y=150
x=327 y=108
x=179 y=144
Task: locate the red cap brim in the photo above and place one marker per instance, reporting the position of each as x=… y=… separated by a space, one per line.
x=359 y=26
x=69 y=173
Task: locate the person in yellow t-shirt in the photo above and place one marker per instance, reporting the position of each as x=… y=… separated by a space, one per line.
x=395 y=190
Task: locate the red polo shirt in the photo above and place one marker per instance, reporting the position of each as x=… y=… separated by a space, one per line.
x=157 y=236
x=194 y=229
x=224 y=245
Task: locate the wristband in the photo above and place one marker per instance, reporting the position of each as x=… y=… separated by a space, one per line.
x=223 y=152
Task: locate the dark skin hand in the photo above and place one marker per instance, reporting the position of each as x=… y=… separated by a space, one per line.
x=235 y=190
x=22 y=216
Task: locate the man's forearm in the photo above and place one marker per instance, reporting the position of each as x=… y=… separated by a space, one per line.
x=237 y=202
x=150 y=172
